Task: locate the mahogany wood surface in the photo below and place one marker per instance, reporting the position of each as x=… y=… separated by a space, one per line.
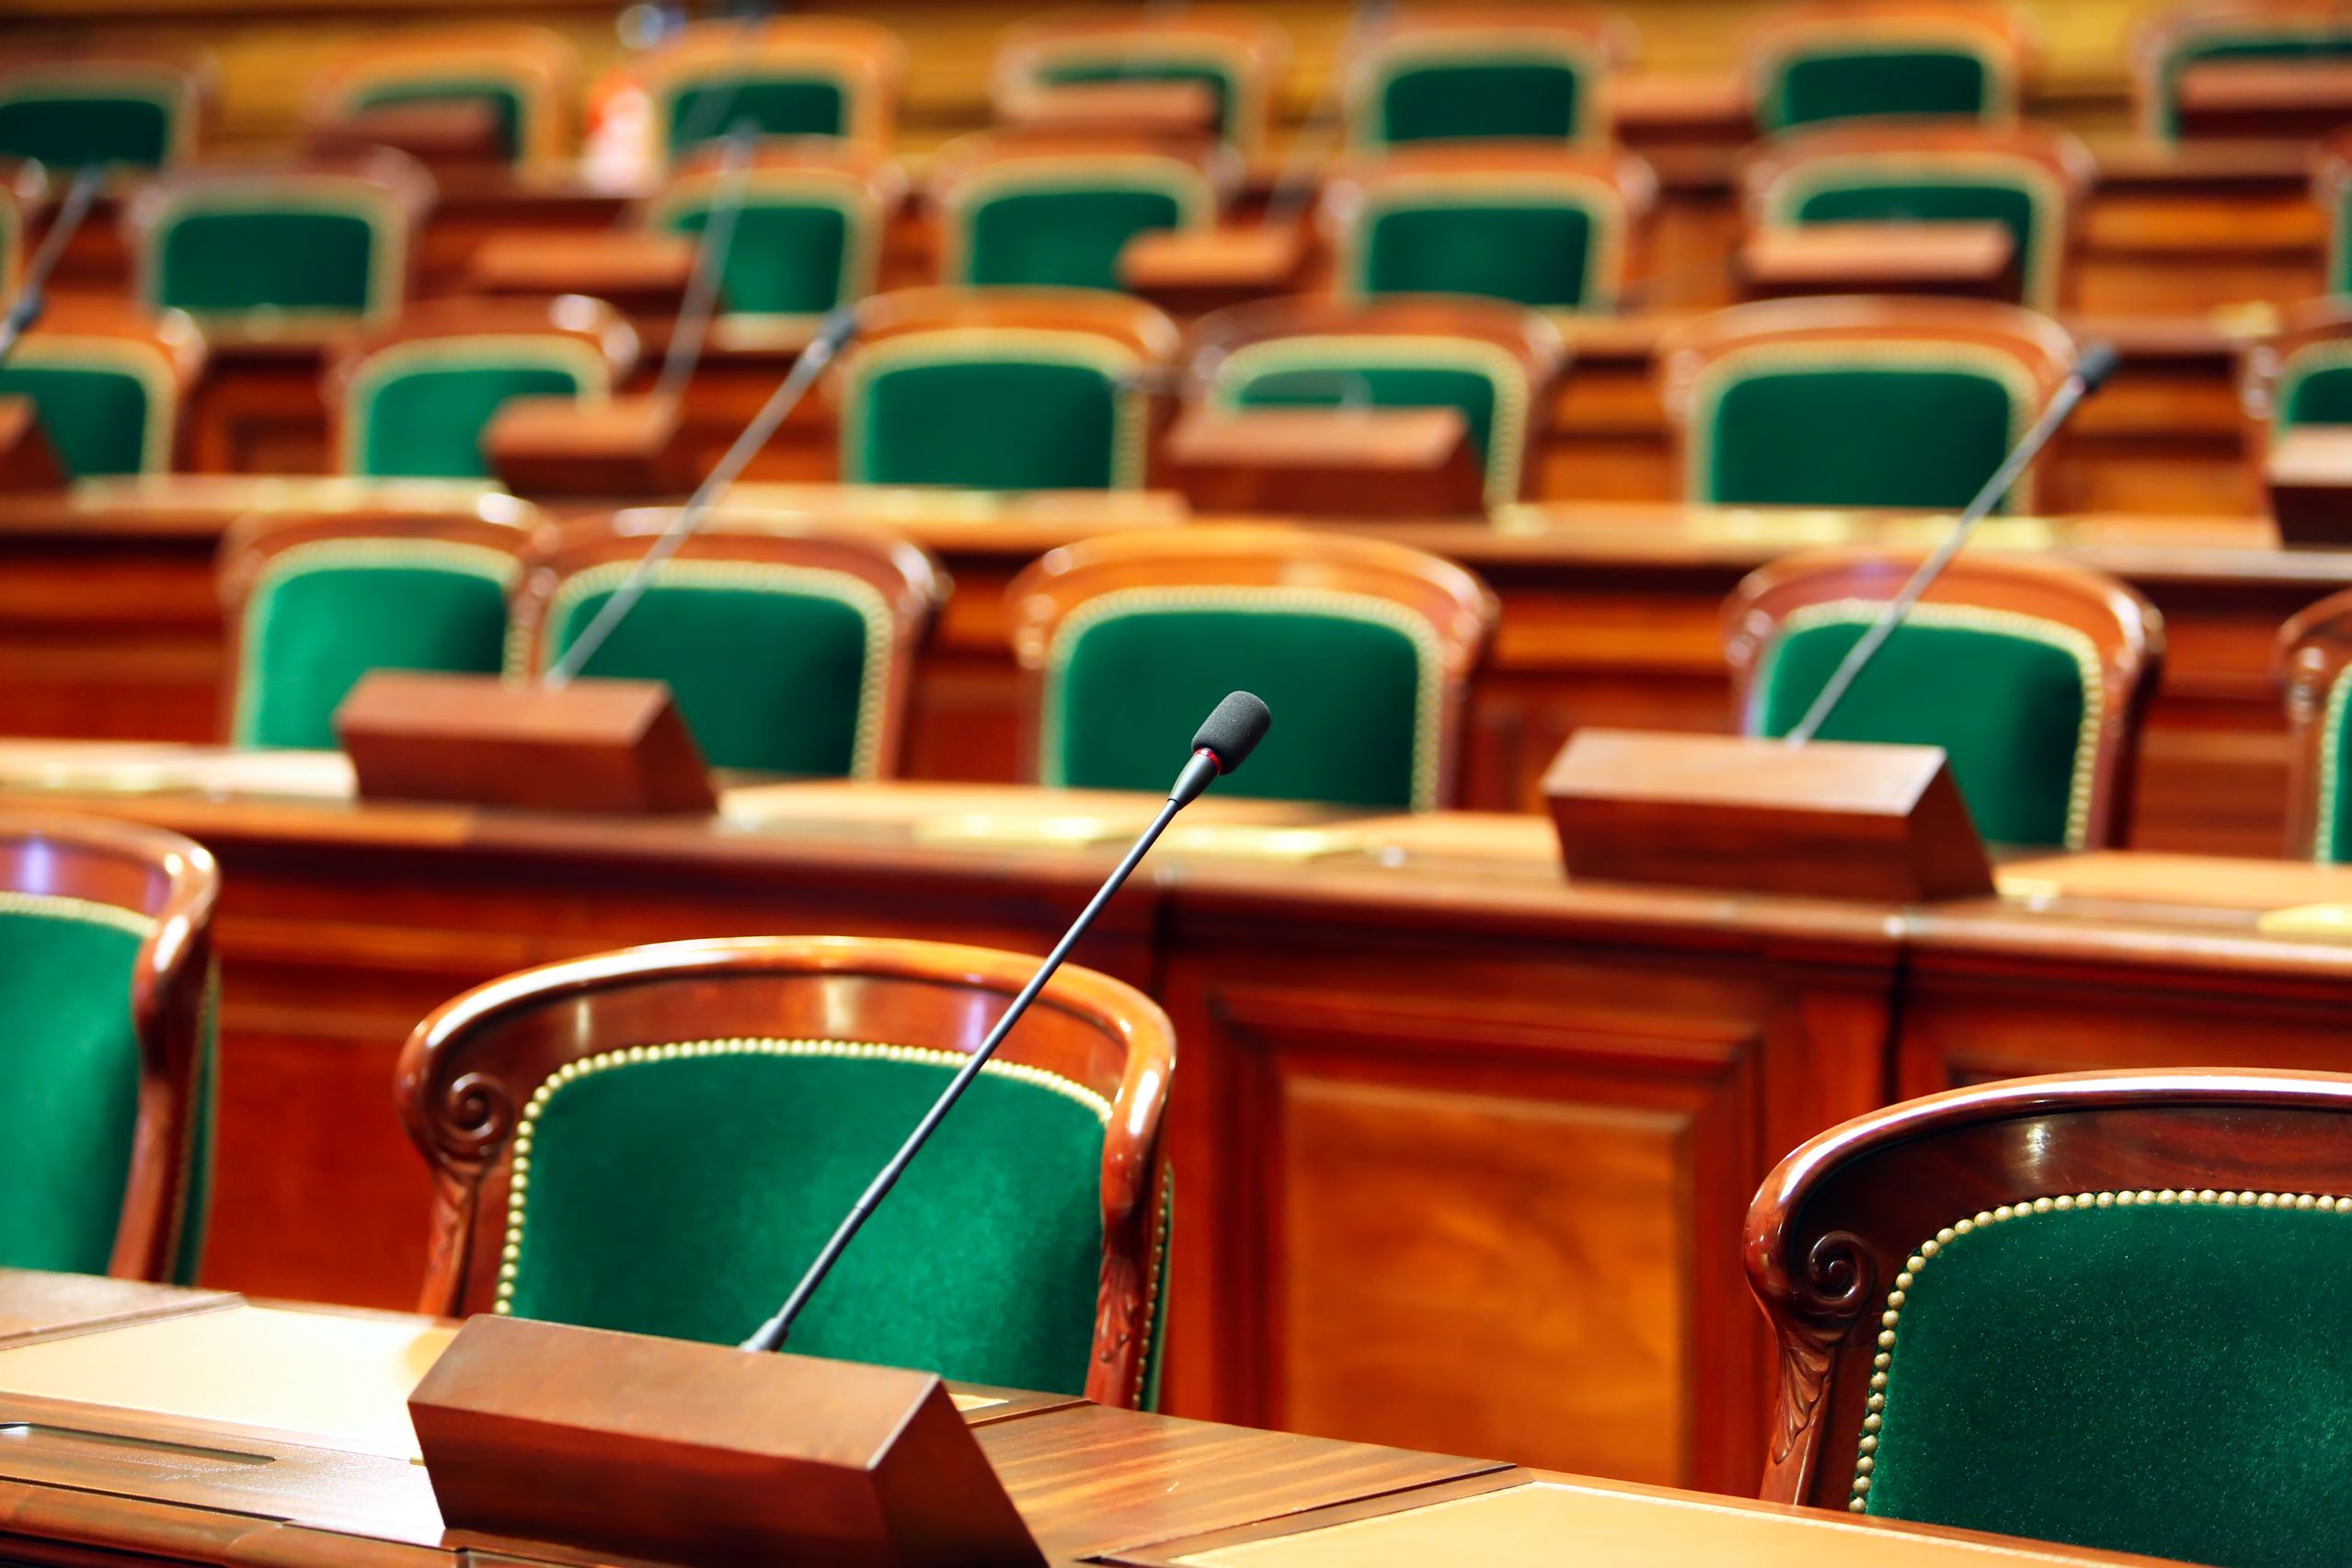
x=28 y=461
x=2309 y=471
x=1353 y=463
x=1966 y=260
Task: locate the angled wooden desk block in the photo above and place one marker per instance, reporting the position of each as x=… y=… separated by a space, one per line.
x=2309 y=471
x=612 y=747
x=460 y=132
x=635 y=273
x=1132 y=108
x=2275 y=99
x=1193 y=271
x=1326 y=462
x=547 y=447
x=28 y=461
x=1831 y=819
x=1974 y=259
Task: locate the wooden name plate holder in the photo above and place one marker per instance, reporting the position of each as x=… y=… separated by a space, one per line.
x=635 y=273
x=1182 y=109
x=1193 y=271
x=1977 y=260
x=27 y=460
x=1326 y=462
x=543 y=447
x=465 y=132
x=678 y=1452
x=1829 y=820
x=2277 y=100
x=2309 y=471
x=616 y=748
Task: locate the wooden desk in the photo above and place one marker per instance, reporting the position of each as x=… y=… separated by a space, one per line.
x=238 y=1433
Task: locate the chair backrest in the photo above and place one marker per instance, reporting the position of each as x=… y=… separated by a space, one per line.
x=808 y=235
x=2053 y=1307
x=1486 y=73
x=1362 y=647
x=1001 y=389
x=1553 y=229
x=315 y=603
x=594 y=1129
x=125 y=110
x=2313 y=653
x=528 y=76
x=2029 y=178
x=833 y=77
x=1056 y=210
x=2171 y=42
x=109 y=383
x=293 y=252
x=107 y=1077
x=1840 y=59
x=413 y=398
x=2299 y=374
x=2031 y=674
x=1494 y=363
x=789 y=646
x=1857 y=402
x=1236 y=55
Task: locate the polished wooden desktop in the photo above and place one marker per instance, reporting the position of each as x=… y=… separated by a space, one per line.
x=154 y=1427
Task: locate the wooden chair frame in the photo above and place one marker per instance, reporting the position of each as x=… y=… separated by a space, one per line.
x=906 y=584
x=1251 y=51
x=1459 y=609
x=1833 y=1225
x=539 y=64
x=2162 y=35
x=2324 y=324
x=2312 y=654
x=164 y=351
x=1603 y=40
x=868 y=59
x=2124 y=633
x=2003 y=38
x=471 y=1067
x=24 y=193
x=972 y=168
x=170 y=885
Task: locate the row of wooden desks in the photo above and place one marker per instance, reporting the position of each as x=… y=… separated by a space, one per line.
x=151 y=1426
x=110 y=627
x=1464 y=1146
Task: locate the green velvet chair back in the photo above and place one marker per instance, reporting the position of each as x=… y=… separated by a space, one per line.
x=1061 y=220
x=1486 y=382
x=2313 y=386
x=127 y=114
x=994 y=408
x=1236 y=55
x=275 y=253
x=829 y=77
x=1825 y=75
x=2050 y=1307
x=418 y=409
x=1473 y=84
x=110 y=405
x=1552 y=240
x=776 y=668
x=806 y=242
x=315 y=617
x=2286 y=37
x=2015 y=192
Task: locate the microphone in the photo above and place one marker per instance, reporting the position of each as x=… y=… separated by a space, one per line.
x=692 y=328
x=33 y=298
x=2091 y=368
x=838 y=329
x=1222 y=744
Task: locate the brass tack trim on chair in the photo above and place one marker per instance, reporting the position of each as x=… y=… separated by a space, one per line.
x=1873 y=1418
x=88 y=911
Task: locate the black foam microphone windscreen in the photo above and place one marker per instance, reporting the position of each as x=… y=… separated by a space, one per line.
x=1232 y=731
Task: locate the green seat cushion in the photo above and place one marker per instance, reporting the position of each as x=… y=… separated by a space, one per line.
x=785 y=259
x=2145 y=1377
x=774 y=669
x=1342 y=381
x=101 y=420
x=1841 y=84
x=69 y=1079
x=989 y=424
x=1848 y=434
x=1471 y=99
x=1942 y=201
x=226 y=258
x=72 y=130
x=1548 y=256
x=505 y=101
x=1132 y=673
x=707 y=109
x=1089 y=73
x=2007 y=698
x=684 y=1196
x=428 y=422
x=324 y=614
x=2316 y=38
x=1058 y=238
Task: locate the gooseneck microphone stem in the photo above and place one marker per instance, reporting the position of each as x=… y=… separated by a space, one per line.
x=2096 y=364
x=1300 y=177
x=701 y=304
x=25 y=310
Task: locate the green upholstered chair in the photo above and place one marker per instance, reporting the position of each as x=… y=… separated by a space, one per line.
x=1494 y=363
x=1363 y=647
x=660 y=1139
x=314 y=603
x=108 y=384
x=2053 y=1307
x=66 y=113
x=808 y=233
x=2299 y=375
x=2285 y=31
x=1552 y=230
x=414 y=400
x=1235 y=54
x=290 y=253
x=1460 y=74
x=1039 y=212
x=1852 y=402
x=1927 y=59
x=827 y=76
x=1001 y=389
x=2029 y=180
x=2031 y=675
x=107 y=1074
x=789 y=648
x=528 y=77
x=2314 y=654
